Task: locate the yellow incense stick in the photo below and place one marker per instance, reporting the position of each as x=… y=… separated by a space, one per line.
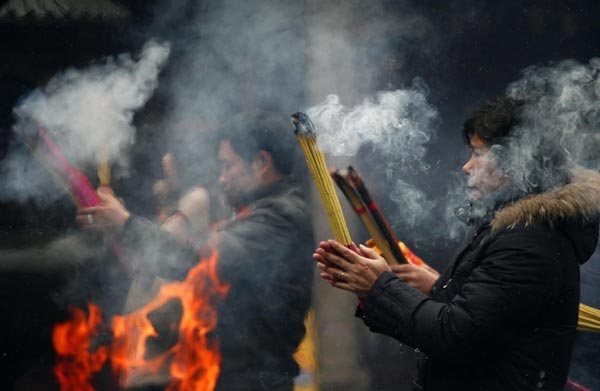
x=103 y=167
x=318 y=168
x=589 y=318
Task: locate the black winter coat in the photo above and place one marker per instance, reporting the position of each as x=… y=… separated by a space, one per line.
x=504 y=313
x=264 y=254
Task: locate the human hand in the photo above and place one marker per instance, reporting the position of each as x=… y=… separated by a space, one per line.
x=170 y=184
x=347 y=270
x=191 y=220
x=109 y=216
x=420 y=277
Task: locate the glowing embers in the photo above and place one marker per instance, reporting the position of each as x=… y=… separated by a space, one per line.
x=192 y=362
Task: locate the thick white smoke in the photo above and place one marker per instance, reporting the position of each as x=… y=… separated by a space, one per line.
x=86 y=112
x=396 y=126
x=561 y=112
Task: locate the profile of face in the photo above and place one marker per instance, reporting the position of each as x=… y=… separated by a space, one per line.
x=485 y=176
x=237 y=177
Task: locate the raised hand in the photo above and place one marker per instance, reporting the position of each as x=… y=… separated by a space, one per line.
x=107 y=217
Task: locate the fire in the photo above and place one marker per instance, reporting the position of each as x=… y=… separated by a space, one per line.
x=192 y=363
x=75 y=365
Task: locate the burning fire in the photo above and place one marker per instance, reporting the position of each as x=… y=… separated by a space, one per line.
x=75 y=364
x=193 y=362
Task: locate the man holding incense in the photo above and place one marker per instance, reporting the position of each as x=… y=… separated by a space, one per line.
x=261 y=253
x=503 y=315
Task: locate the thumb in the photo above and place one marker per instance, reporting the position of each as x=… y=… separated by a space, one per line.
x=105 y=190
x=106 y=194
x=368 y=252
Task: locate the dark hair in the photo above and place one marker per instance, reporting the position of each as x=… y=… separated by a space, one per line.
x=493 y=121
x=501 y=122
x=251 y=132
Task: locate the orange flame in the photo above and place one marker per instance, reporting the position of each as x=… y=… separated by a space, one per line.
x=193 y=362
x=75 y=364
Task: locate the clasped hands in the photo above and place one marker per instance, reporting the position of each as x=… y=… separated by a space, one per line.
x=356 y=272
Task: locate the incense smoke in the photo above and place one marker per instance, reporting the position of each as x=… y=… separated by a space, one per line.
x=86 y=112
x=560 y=127
x=561 y=115
x=396 y=126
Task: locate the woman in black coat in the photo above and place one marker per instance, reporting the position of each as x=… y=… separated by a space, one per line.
x=503 y=315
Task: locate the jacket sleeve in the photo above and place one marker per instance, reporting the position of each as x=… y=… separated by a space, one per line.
x=505 y=293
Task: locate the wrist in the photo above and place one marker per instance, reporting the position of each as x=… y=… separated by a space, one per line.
x=122 y=218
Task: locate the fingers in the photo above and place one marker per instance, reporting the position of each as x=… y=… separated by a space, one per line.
x=82 y=220
x=319 y=258
x=326 y=246
x=403 y=268
x=89 y=210
x=431 y=270
x=325 y=275
x=89 y=220
x=343 y=285
x=369 y=252
x=332 y=259
x=105 y=190
x=106 y=194
x=335 y=281
x=344 y=252
x=168 y=166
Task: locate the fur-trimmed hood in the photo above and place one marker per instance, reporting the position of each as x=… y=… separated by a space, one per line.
x=577 y=204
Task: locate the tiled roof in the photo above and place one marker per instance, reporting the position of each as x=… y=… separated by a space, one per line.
x=69 y=10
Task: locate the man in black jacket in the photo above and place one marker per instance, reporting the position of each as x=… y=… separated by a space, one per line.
x=261 y=253
x=503 y=315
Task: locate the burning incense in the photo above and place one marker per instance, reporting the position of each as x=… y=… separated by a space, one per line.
x=103 y=167
x=307 y=139
x=589 y=318
x=340 y=178
x=390 y=243
x=47 y=152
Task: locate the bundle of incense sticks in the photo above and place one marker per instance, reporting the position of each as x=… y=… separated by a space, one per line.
x=47 y=152
x=589 y=318
x=353 y=187
x=103 y=167
x=306 y=136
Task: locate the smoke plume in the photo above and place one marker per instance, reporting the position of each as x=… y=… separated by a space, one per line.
x=561 y=116
x=396 y=127
x=86 y=112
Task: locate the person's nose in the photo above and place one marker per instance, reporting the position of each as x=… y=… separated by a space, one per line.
x=222 y=178
x=467 y=168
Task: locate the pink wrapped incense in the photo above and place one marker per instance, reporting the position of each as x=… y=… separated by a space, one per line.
x=74 y=180
x=49 y=154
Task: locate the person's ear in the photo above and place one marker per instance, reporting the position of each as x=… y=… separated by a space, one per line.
x=262 y=162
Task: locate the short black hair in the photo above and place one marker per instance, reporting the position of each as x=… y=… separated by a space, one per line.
x=504 y=125
x=494 y=121
x=251 y=132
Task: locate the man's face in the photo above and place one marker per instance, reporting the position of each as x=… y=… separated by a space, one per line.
x=484 y=174
x=237 y=177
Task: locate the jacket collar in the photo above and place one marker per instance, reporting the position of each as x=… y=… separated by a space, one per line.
x=578 y=200
x=262 y=192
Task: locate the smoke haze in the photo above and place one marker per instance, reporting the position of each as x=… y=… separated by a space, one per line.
x=85 y=112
